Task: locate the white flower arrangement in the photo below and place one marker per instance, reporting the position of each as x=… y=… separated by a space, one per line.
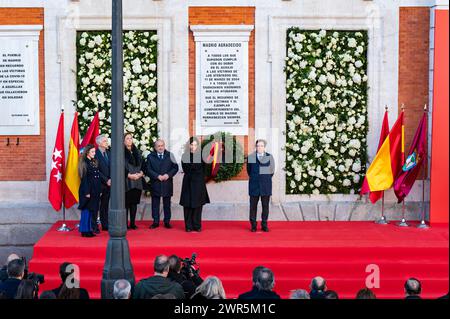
x=326 y=118
x=140 y=83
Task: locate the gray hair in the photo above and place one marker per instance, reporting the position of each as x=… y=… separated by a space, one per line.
x=11 y=258
x=318 y=283
x=122 y=289
x=265 y=280
x=413 y=286
x=300 y=294
x=159 y=140
x=99 y=139
x=161 y=264
x=211 y=288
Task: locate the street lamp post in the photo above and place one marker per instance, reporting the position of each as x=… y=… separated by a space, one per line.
x=117 y=263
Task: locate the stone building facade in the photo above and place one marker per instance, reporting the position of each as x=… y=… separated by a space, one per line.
x=400 y=71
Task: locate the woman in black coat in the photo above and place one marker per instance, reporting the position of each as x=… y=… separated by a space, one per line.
x=193 y=192
x=134 y=179
x=89 y=191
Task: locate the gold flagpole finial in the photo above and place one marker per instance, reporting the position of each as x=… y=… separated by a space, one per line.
x=425 y=108
x=403 y=107
x=386 y=107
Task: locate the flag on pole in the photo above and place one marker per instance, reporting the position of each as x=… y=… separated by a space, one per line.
x=376 y=195
x=414 y=162
x=388 y=162
x=56 y=182
x=92 y=133
x=72 y=179
x=214 y=154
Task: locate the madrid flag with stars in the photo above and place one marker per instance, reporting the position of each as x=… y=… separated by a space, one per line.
x=56 y=185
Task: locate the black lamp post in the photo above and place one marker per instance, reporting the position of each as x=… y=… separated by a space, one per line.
x=117 y=263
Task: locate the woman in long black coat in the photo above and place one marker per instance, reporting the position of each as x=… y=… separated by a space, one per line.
x=89 y=191
x=134 y=179
x=193 y=192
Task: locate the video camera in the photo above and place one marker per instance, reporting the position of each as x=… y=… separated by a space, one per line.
x=190 y=268
x=36 y=278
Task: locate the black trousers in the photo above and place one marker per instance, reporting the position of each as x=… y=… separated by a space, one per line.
x=132 y=210
x=156 y=201
x=104 y=207
x=254 y=207
x=193 y=218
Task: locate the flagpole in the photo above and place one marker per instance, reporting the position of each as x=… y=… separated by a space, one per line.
x=403 y=222
x=423 y=224
x=64 y=227
x=383 y=220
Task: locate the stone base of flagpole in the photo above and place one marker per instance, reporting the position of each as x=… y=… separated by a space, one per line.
x=423 y=225
x=382 y=221
x=64 y=227
x=403 y=223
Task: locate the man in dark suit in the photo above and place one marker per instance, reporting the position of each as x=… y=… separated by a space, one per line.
x=4 y=271
x=318 y=288
x=103 y=155
x=158 y=284
x=16 y=271
x=161 y=167
x=263 y=286
x=260 y=169
x=254 y=281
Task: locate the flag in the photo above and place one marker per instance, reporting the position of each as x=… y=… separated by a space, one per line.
x=388 y=162
x=376 y=195
x=72 y=179
x=414 y=162
x=56 y=182
x=214 y=154
x=92 y=133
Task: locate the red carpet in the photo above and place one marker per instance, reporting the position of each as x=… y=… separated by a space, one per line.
x=295 y=251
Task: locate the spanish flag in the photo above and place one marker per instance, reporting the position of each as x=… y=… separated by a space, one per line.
x=375 y=196
x=72 y=178
x=214 y=154
x=389 y=160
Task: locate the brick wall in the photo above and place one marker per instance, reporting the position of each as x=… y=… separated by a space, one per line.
x=413 y=77
x=25 y=162
x=223 y=16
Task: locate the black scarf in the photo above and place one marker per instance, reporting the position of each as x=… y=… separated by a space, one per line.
x=133 y=157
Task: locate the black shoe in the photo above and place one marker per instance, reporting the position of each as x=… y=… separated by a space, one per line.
x=198 y=230
x=153 y=226
x=188 y=230
x=87 y=235
x=265 y=229
x=167 y=225
x=253 y=230
x=97 y=231
x=133 y=227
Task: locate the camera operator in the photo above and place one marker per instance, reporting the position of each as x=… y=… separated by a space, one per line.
x=28 y=289
x=4 y=270
x=16 y=271
x=184 y=273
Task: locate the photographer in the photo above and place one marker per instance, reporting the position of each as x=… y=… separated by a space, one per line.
x=4 y=270
x=15 y=270
x=27 y=290
x=184 y=273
